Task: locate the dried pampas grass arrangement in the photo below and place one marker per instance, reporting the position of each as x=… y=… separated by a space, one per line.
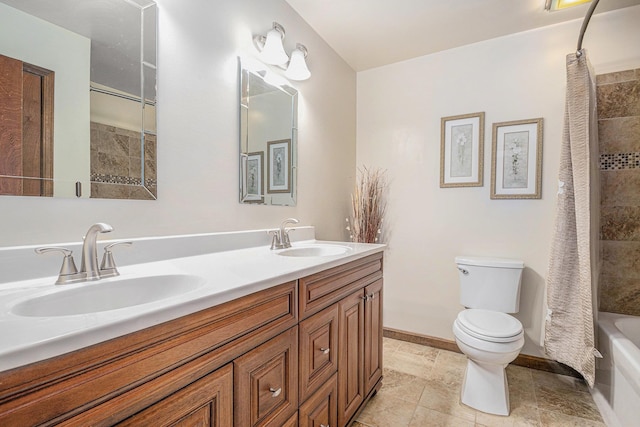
x=368 y=205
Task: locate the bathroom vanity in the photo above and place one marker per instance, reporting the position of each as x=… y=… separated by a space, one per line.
x=305 y=351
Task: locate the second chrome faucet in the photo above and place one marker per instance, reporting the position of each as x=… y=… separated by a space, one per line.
x=280 y=238
x=89 y=268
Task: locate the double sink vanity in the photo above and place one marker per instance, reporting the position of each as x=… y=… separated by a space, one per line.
x=213 y=329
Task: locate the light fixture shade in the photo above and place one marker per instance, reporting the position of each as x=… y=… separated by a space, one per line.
x=298 y=69
x=273 y=52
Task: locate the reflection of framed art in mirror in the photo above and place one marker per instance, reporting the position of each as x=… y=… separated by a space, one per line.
x=252 y=171
x=279 y=166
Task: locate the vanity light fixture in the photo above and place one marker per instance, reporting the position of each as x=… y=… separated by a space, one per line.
x=551 y=5
x=270 y=46
x=298 y=69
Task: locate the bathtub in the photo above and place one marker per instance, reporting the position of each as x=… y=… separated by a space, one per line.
x=617 y=388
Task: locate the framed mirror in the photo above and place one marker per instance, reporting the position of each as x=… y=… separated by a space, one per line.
x=268 y=139
x=78 y=118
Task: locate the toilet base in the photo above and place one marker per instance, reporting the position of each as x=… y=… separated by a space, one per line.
x=485 y=388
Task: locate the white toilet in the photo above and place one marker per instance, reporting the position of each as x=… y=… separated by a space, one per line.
x=484 y=332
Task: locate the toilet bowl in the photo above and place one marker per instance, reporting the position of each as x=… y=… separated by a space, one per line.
x=490 y=340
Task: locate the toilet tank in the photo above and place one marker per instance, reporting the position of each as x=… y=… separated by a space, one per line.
x=490 y=283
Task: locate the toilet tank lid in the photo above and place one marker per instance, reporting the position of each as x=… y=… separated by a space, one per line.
x=489 y=262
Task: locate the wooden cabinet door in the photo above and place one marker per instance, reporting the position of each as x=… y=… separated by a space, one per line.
x=207 y=402
x=351 y=391
x=321 y=409
x=318 y=350
x=266 y=382
x=372 y=335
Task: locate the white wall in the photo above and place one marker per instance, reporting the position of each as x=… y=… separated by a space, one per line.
x=18 y=30
x=199 y=42
x=399 y=107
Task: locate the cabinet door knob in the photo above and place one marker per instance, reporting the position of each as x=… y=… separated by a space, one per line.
x=324 y=425
x=274 y=392
x=325 y=350
x=365 y=298
x=371 y=295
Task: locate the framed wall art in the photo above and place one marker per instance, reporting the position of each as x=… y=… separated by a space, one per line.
x=462 y=150
x=516 y=161
x=252 y=175
x=279 y=166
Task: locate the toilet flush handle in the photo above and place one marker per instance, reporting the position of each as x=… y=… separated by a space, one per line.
x=463 y=271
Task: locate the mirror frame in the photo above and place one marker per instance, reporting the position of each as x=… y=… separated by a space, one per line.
x=265 y=159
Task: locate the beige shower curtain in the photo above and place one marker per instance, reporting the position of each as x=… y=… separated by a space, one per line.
x=574 y=262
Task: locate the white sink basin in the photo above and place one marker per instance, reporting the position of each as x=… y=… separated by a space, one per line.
x=104 y=296
x=318 y=250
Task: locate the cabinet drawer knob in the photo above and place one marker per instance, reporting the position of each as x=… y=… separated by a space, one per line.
x=274 y=392
x=325 y=350
x=324 y=425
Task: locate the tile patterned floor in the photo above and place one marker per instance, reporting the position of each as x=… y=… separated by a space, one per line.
x=421 y=387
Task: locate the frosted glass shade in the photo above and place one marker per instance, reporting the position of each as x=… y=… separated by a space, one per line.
x=298 y=69
x=273 y=52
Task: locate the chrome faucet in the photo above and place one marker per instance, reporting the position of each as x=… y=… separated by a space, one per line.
x=89 y=264
x=281 y=236
x=89 y=269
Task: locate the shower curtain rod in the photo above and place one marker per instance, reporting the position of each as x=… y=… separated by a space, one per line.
x=585 y=23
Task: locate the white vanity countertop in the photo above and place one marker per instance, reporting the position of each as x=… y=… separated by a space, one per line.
x=226 y=275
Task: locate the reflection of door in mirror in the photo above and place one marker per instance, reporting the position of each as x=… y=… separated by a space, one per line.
x=26 y=129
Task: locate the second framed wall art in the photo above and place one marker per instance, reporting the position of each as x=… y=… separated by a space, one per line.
x=516 y=160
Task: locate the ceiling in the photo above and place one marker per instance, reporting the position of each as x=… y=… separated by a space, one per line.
x=372 y=33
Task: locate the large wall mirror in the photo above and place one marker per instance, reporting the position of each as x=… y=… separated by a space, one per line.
x=78 y=98
x=268 y=139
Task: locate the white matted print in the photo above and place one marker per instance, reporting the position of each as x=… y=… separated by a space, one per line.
x=516 y=162
x=461 y=150
x=279 y=166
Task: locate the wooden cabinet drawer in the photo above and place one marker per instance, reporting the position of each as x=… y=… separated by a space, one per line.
x=266 y=382
x=318 y=350
x=321 y=409
x=327 y=287
x=207 y=402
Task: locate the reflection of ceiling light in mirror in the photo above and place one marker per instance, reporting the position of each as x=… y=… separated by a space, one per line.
x=552 y=5
x=271 y=48
x=298 y=69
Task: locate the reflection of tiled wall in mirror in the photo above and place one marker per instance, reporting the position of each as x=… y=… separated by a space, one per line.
x=619 y=135
x=116 y=164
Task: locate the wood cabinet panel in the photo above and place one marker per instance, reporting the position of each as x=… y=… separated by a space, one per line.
x=321 y=409
x=327 y=287
x=318 y=350
x=351 y=391
x=266 y=382
x=207 y=402
x=373 y=335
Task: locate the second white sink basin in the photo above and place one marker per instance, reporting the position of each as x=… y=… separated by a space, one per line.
x=315 y=250
x=104 y=296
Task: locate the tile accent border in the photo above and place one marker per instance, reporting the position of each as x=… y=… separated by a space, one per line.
x=618 y=161
x=533 y=362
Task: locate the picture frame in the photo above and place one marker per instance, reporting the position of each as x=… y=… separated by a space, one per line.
x=516 y=161
x=253 y=177
x=462 y=150
x=279 y=166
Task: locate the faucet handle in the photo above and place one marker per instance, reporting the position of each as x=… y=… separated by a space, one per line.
x=68 y=271
x=275 y=240
x=108 y=265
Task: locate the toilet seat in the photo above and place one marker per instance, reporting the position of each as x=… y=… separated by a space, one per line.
x=489 y=325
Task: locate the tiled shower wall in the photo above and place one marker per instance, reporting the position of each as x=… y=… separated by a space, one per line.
x=619 y=134
x=116 y=164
